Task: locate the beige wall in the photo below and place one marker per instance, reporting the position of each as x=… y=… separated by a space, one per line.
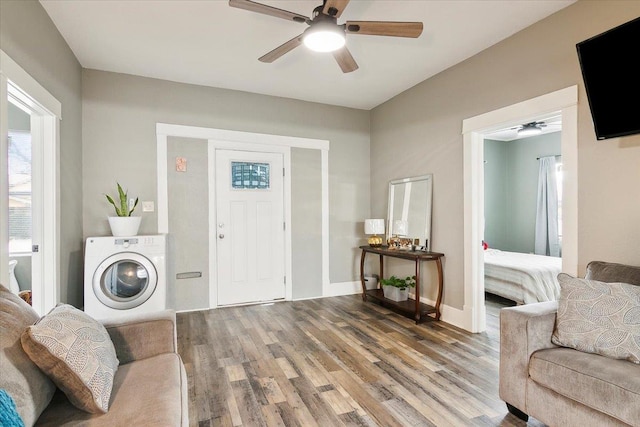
x=425 y=124
x=30 y=38
x=188 y=248
x=120 y=113
x=306 y=222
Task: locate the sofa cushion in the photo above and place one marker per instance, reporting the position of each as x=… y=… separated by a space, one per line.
x=598 y=317
x=76 y=352
x=610 y=386
x=147 y=392
x=612 y=272
x=28 y=386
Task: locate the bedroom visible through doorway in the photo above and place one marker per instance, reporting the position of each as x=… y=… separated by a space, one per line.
x=523 y=211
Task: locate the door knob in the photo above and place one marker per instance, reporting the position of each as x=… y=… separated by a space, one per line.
x=221 y=236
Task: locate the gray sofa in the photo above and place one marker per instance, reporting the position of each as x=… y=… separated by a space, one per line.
x=149 y=388
x=562 y=386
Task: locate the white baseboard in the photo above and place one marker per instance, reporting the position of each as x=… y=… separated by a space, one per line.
x=190 y=310
x=341 y=288
x=451 y=315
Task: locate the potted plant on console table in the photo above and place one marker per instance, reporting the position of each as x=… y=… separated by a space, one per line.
x=397 y=289
x=123 y=225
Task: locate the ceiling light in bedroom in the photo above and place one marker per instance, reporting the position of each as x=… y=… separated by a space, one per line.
x=530 y=129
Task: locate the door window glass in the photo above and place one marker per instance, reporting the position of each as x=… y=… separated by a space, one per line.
x=19 y=160
x=124 y=280
x=249 y=175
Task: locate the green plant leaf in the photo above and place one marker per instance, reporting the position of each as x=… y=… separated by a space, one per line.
x=114 y=204
x=399 y=283
x=134 y=206
x=124 y=211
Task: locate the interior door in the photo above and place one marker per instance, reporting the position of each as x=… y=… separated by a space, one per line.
x=249 y=226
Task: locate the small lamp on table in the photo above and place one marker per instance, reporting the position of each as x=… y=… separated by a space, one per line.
x=374 y=227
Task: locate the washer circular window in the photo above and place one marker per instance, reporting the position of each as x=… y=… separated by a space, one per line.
x=125 y=280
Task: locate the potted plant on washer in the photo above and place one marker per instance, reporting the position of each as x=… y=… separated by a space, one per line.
x=397 y=289
x=123 y=224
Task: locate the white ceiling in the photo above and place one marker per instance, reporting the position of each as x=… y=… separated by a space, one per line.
x=209 y=43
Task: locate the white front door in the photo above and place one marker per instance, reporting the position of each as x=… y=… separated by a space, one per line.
x=249 y=226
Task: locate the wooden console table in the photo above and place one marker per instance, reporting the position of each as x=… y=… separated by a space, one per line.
x=409 y=307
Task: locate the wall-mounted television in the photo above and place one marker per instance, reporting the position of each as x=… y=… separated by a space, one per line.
x=610 y=64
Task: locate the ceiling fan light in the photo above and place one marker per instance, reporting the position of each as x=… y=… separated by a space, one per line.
x=529 y=129
x=327 y=39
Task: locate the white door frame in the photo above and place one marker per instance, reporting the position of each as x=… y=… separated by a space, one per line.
x=244 y=141
x=564 y=101
x=17 y=83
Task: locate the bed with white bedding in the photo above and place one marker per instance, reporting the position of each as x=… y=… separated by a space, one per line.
x=523 y=278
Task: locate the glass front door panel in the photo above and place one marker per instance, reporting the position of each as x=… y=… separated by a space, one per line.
x=249 y=175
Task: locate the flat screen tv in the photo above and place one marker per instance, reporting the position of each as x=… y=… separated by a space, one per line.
x=610 y=64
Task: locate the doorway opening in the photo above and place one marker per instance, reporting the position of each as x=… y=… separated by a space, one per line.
x=475 y=129
x=29 y=117
x=522 y=238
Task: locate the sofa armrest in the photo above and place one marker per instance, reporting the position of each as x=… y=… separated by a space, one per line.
x=524 y=329
x=145 y=335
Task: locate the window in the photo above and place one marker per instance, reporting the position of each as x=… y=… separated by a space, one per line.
x=245 y=175
x=19 y=160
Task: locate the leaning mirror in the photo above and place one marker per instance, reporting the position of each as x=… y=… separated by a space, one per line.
x=409 y=213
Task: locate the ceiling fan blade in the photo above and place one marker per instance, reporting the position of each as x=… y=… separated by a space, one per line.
x=281 y=50
x=345 y=60
x=268 y=10
x=384 y=28
x=335 y=7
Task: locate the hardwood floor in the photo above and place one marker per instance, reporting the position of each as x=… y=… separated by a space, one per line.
x=338 y=362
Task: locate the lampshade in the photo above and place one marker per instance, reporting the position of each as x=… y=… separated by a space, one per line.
x=400 y=227
x=374 y=226
x=323 y=37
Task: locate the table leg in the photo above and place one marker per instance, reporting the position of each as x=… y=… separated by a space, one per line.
x=362 y=282
x=440 y=285
x=417 y=312
x=381 y=267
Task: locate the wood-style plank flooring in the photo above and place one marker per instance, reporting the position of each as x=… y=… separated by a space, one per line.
x=339 y=362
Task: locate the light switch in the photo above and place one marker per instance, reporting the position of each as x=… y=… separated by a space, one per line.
x=148 y=206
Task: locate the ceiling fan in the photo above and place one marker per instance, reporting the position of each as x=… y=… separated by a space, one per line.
x=324 y=34
x=529 y=129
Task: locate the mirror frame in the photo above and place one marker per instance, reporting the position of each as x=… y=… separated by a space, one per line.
x=428 y=214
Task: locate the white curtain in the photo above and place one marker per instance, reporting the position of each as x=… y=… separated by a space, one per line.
x=547 y=241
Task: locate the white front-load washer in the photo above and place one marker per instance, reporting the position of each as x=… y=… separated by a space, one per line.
x=124 y=275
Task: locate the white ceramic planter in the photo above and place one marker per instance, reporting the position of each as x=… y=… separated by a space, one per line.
x=395 y=294
x=370 y=282
x=124 y=226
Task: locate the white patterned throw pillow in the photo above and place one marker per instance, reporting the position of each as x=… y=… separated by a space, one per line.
x=598 y=317
x=76 y=352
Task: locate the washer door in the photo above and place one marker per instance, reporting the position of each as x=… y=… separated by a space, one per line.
x=125 y=280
